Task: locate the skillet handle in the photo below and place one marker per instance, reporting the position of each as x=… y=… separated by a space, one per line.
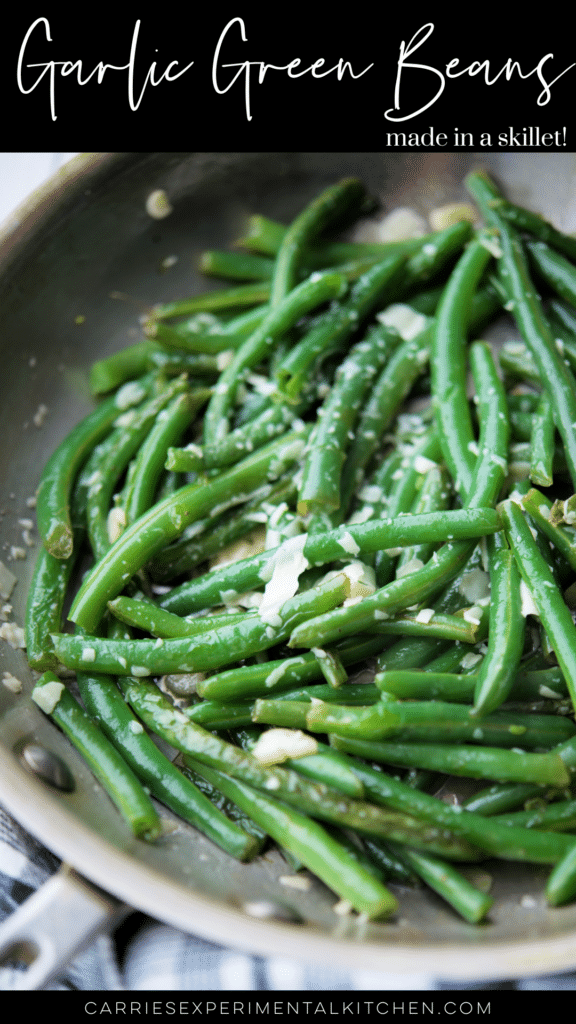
x=53 y=925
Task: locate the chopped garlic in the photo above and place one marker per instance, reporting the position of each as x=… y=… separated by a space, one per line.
x=12 y=683
x=473 y=615
x=40 y=415
x=343 y=908
x=129 y=394
x=348 y=544
x=475 y=585
x=401 y=224
x=362 y=579
x=412 y=566
x=7 y=581
x=425 y=615
x=158 y=205
x=277 y=744
x=424 y=465
x=47 y=696
x=282 y=573
x=115 y=523
x=403 y=319
x=13 y=634
x=302 y=882
x=451 y=213
x=470 y=659
x=528 y=606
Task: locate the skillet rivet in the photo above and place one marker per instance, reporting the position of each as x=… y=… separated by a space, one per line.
x=47 y=766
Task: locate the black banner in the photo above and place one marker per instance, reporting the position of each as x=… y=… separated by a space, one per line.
x=243 y=77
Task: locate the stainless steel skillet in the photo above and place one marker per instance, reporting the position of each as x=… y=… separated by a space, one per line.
x=79 y=263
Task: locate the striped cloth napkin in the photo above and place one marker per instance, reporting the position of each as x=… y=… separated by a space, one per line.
x=147 y=955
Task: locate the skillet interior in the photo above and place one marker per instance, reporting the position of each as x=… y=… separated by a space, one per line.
x=79 y=265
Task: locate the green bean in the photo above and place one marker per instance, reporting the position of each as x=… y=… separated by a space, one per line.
x=263 y=235
x=317 y=289
x=274 y=420
x=354 y=694
x=316 y=799
x=104 y=760
x=169 y=427
x=445 y=627
x=469 y=901
x=506 y=632
x=285 y=713
x=167 y=520
x=219 y=717
x=63 y=466
x=542 y=443
x=438 y=722
x=556 y=377
x=352 y=267
x=275 y=676
x=179 y=340
x=314 y=218
x=537 y=575
x=191 y=551
x=331 y=330
x=147 y=616
x=555 y=269
x=416 y=684
x=331 y=667
x=312 y=844
x=205 y=333
x=236 y=266
x=109 y=461
x=502 y=797
x=244 y=636
x=486 y=762
x=559 y=816
x=534 y=224
x=448 y=364
x=435 y=682
x=540 y=510
x=393 y=384
x=340 y=543
x=498 y=840
x=44 y=607
x=48 y=591
x=490 y=469
x=561 y=884
x=323 y=460
x=129 y=363
x=323 y=766
x=223 y=299
x=195 y=365
x=167 y=784
x=410 y=589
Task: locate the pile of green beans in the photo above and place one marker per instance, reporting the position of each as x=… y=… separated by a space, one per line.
x=330 y=533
